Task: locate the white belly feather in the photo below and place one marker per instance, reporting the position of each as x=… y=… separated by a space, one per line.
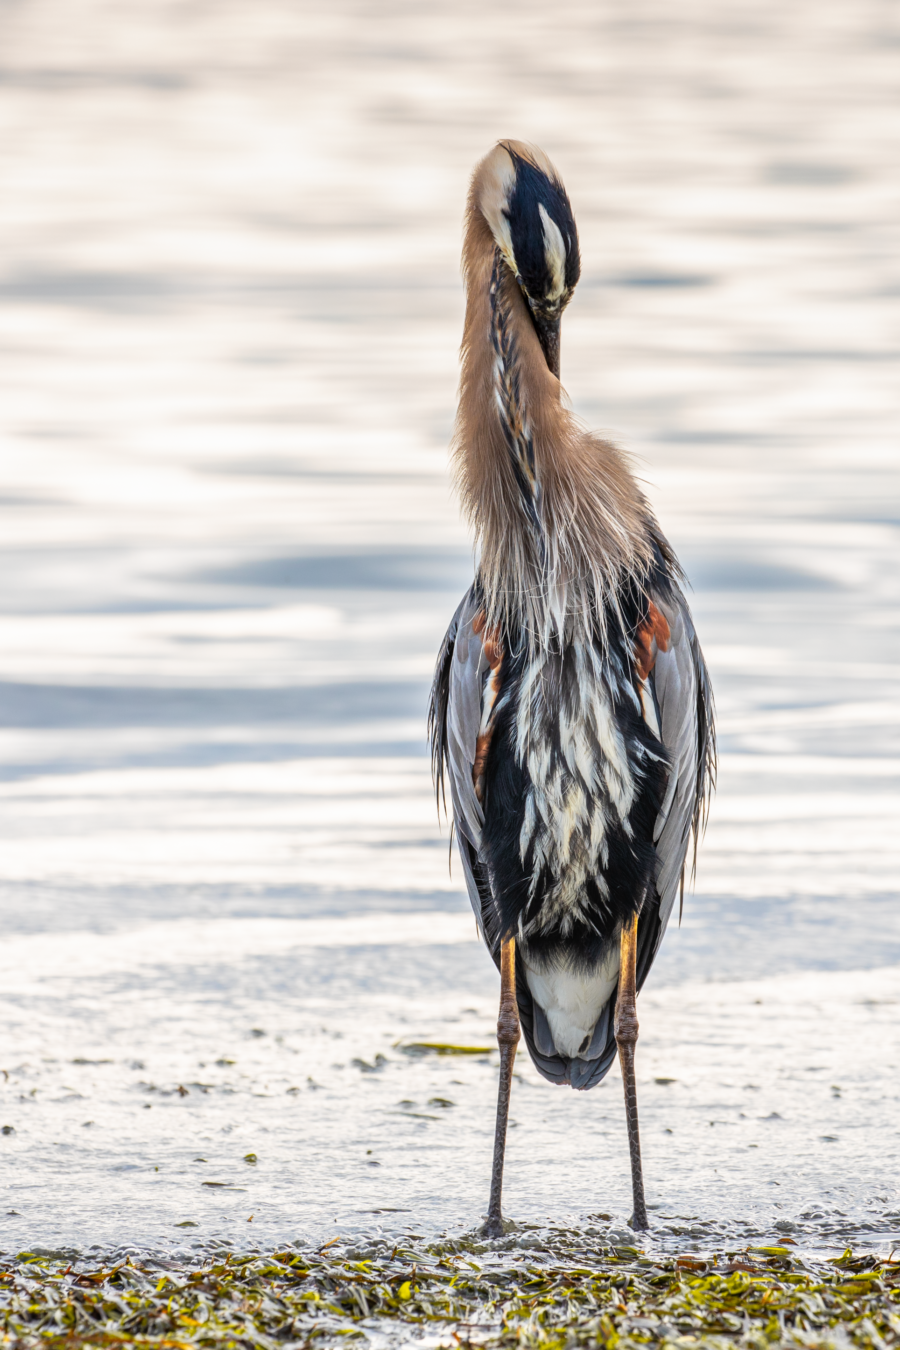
x=573 y=1002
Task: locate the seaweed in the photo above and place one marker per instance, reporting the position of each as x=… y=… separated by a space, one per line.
x=540 y=1291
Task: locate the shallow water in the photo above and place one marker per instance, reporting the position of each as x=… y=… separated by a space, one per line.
x=229 y=330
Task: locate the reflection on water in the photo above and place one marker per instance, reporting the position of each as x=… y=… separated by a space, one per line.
x=229 y=331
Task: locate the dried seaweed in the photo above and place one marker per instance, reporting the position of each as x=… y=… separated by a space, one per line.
x=547 y=1291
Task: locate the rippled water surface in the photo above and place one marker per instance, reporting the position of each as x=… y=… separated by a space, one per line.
x=230 y=316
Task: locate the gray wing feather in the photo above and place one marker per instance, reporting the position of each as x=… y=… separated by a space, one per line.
x=468 y=672
x=457 y=698
x=686 y=726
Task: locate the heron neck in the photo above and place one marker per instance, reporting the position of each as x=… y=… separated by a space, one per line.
x=514 y=393
x=558 y=518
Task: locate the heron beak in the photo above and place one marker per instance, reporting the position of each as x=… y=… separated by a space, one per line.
x=548 y=336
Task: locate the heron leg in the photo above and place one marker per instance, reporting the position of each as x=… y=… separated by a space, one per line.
x=626 y=1039
x=507 y=1038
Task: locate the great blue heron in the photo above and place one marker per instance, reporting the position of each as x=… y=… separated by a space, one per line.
x=571 y=707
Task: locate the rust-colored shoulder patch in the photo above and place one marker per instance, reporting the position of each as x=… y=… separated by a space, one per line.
x=652 y=636
x=482 y=745
x=493 y=651
x=493 y=648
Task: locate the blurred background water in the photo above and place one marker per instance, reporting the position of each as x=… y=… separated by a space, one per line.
x=230 y=315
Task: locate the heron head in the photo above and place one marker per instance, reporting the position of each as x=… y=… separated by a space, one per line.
x=522 y=198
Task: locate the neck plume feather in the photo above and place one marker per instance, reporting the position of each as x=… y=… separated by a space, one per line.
x=559 y=520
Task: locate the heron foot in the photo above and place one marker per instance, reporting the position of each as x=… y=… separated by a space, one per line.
x=495 y=1226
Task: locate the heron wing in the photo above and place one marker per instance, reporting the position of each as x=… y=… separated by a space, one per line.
x=684 y=698
x=457 y=697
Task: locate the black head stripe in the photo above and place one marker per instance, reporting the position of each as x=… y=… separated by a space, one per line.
x=534 y=189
